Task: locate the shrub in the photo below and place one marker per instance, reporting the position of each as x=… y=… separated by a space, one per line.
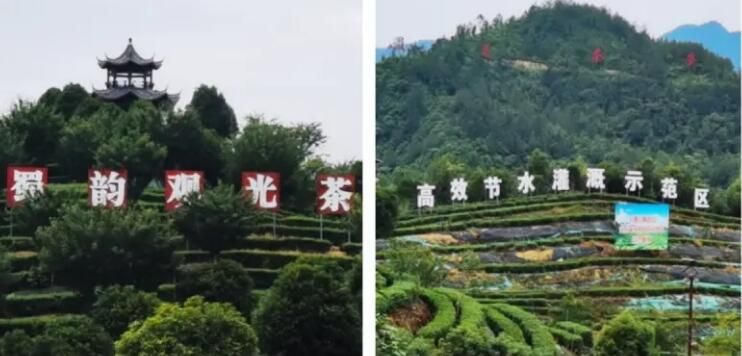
x=626 y=335
x=90 y=247
x=500 y=324
x=216 y=220
x=388 y=339
x=464 y=341
x=224 y=281
x=536 y=333
x=34 y=302
x=310 y=310
x=302 y=244
x=39 y=211
x=393 y=296
x=583 y=331
x=117 y=306
x=444 y=315
x=567 y=339
x=195 y=328
x=416 y=263
x=16 y=343
x=73 y=336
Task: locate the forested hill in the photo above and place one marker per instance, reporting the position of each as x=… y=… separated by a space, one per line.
x=541 y=89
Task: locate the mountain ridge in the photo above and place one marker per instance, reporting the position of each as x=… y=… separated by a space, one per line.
x=713 y=36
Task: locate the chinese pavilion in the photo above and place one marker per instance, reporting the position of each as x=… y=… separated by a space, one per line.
x=129 y=77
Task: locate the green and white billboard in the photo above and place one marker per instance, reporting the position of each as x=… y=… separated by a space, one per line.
x=642 y=226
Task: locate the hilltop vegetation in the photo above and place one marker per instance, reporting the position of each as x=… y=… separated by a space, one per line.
x=643 y=107
x=540 y=274
x=76 y=280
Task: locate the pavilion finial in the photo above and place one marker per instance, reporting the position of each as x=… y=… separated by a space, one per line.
x=129 y=40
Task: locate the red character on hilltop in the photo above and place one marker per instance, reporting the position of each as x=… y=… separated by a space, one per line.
x=690 y=60
x=598 y=56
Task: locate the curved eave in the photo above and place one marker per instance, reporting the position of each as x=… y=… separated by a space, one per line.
x=116 y=94
x=129 y=65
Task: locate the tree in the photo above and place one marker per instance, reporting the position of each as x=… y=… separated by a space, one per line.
x=12 y=152
x=269 y=146
x=87 y=247
x=213 y=111
x=309 y=310
x=224 y=281
x=138 y=153
x=196 y=328
x=387 y=210
x=39 y=129
x=217 y=219
x=73 y=336
x=71 y=96
x=118 y=306
x=39 y=210
x=79 y=140
x=191 y=147
x=538 y=166
x=626 y=335
x=733 y=197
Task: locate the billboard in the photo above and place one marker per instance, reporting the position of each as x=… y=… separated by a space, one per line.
x=642 y=226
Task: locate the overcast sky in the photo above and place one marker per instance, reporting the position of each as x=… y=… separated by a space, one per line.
x=296 y=61
x=431 y=19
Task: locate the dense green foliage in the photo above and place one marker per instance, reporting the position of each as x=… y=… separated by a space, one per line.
x=216 y=219
x=85 y=248
x=626 y=335
x=72 y=336
x=213 y=111
x=387 y=210
x=309 y=310
x=269 y=146
x=415 y=263
x=223 y=281
x=70 y=131
x=117 y=306
x=445 y=315
x=448 y=112
x=212 y=329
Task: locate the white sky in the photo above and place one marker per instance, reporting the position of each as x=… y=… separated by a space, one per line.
x=431 y=19
x=296 y=61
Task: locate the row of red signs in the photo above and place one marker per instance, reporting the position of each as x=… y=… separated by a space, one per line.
x=107 y=188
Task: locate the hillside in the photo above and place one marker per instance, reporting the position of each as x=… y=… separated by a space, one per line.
x=540 y=90
x=32 y=298
x=542 y=275
x=713 y=36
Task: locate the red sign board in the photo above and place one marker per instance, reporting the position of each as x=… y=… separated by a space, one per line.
x=263 y=188
x=180 y=184
x=335 y=193
x=107 y=188
x=486 y=51
x=24 y=182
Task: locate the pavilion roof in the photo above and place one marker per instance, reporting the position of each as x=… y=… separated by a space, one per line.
x=114 y=94
x=129 y=59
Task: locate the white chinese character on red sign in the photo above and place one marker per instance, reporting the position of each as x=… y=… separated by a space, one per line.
x=180 y=184
x=334 y=193
x=107 y=188
x=263 y=188
x=24 y=182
